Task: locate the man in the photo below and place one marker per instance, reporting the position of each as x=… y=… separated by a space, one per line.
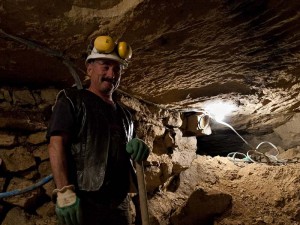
x=91 y=143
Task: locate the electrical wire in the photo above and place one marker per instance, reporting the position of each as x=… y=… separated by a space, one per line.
x=27 y=189
x=49 y=52
x=226 y=124
x=253 y=155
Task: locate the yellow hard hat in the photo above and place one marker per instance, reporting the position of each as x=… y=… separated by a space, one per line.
x=103 y=47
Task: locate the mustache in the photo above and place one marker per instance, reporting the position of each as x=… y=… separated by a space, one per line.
x=111 y=80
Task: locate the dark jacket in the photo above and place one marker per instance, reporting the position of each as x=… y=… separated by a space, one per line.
x=90 y=144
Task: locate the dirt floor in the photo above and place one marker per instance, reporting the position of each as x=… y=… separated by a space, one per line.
x=261 y=193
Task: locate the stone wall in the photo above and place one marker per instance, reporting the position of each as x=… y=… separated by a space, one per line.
x=23 y=154
x=24 y=114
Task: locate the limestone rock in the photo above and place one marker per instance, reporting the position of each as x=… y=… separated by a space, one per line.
x=182 y=160
x=195 y=175
x=159 y=147
x=47 y=210
x=45 y=168
x=17 y=159
x=292 y=154
x=173 y=120
x=161 y=207
x=48 y=96
x=5 y=106
x=23 y=97
x=6 y=95
x=169 y=141
x=25 y=200
x=37 y=138
x=7 y=140
x=17 y=216
x=164 y=144
x=49 y=187
x=201 y=207
x=157 y=171
x=22 y=120
x=289 y=132
x=153 y=175
x=185 y=143
x=41 y=152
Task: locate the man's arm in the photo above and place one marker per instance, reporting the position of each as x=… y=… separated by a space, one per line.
x=67 y=208
x=58 y=159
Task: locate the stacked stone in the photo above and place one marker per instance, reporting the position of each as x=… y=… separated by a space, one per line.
x=172 y=152
x=23 y=155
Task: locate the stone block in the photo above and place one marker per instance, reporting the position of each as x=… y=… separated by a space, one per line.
x=17 y=159
x=185 y=143
x=23 y=97
x=16 y=216
x=45 y=168
x=173 y=120
x=37 y=138
x=7 y=140
x=41 y=152
x=26 y=200
x=48 y=96
x=6 y=95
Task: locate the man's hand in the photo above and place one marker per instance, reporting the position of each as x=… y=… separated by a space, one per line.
x=67 y=206
x=138 y=149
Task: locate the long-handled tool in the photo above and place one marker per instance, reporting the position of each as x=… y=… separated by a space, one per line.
x=142 y=192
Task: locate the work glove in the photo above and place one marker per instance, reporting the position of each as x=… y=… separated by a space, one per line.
x=67 y=208
x=138 y=149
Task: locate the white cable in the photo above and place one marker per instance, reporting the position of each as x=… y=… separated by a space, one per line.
x=270 y=158
x=226 y=124
x=267 y=142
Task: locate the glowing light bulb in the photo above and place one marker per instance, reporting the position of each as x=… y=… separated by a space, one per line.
x=218 y=110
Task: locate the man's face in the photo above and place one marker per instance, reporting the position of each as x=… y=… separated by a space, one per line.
x=105 y=75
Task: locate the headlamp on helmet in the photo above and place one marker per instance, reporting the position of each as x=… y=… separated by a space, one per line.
x=103 y=47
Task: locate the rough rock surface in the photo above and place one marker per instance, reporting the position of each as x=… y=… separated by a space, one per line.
x=186 y=54
x=261 y=194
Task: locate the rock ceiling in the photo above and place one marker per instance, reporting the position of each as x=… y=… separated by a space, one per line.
x=186 y=53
